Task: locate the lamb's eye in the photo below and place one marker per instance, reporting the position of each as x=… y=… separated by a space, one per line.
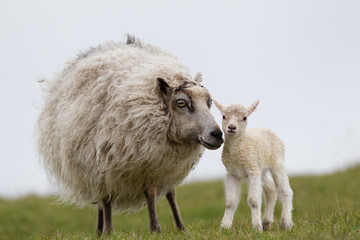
x=181 y=103
x=224 y=117
x=244 y=119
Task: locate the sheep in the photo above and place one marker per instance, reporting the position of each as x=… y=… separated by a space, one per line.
x=122 y=125
x=256 y=155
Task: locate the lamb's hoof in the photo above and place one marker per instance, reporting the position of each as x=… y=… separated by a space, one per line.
x=266 y=225
x=258 y=227
x=286 y=224
x=226 y=224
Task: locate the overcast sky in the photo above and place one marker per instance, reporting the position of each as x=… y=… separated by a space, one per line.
x=301 y=59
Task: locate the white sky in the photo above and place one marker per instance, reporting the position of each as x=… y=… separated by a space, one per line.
x=300 y=58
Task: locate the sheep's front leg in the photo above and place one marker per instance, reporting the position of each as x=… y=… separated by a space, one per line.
x=254 y=200
x=151 y=202
x=171 y=197
x=232 y=197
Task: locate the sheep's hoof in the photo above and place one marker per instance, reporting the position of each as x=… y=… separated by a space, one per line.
x=155 y=228
x=103 y=234
x=181 y=229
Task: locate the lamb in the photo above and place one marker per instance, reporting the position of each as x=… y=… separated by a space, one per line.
x=122 y=125
x=256 y=155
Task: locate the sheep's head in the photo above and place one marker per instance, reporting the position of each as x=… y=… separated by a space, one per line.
x=235 y=117
x=188 y=103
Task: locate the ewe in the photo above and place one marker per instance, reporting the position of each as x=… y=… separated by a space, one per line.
x=123 y=125
x=256 y=155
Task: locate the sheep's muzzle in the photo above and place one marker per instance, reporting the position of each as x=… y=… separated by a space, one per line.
x=213 y=141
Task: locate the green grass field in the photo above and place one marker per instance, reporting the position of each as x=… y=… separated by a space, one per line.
x=325 y=207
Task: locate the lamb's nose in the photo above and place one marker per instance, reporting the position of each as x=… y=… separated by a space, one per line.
x=232 y=127
x=216 y=134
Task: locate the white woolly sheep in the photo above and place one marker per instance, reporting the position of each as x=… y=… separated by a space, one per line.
x=123 y=125
x=256 y=155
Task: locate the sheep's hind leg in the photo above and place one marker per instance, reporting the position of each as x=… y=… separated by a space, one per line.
x=270 y=200
x=100 y=221
x=151 y=202
x=171 y=197
x=232 y=197
x=107 y=227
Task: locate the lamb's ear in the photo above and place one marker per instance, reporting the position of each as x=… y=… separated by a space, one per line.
x=164 y=87
x=253 y=106
x=218 y=105
x=198 y=77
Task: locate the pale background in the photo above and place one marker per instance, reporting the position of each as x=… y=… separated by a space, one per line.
x=301 y=59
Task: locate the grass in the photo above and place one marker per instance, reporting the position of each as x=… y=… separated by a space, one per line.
x=325 y=207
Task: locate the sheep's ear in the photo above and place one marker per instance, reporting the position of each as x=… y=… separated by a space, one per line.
x=164 y=87
x=253 y=106
x=218 y=105
x=198 y=77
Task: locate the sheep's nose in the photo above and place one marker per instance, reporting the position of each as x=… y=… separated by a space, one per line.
x=216 y=134
x=232 y=127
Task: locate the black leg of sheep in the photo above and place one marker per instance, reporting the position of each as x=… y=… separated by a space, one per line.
x=171 y=197
x=151 y=203
x=104 y=223
x=100 y=221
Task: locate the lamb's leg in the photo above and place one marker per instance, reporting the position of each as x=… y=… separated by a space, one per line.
x=171 y=197
x=254 y=199
x=151 y=202
x=285 y=196
x=232 y=197
x=270 y=200
x=107 y=228
x=100 y=221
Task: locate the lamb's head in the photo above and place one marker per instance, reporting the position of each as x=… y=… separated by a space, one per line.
x=235 y=117
x=188 y=105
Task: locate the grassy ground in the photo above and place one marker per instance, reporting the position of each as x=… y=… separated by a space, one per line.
x=325 y=207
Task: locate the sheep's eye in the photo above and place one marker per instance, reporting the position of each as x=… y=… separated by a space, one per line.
x=181 y=103
x=209 y=102
x=244 y=119
x=224 y=117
